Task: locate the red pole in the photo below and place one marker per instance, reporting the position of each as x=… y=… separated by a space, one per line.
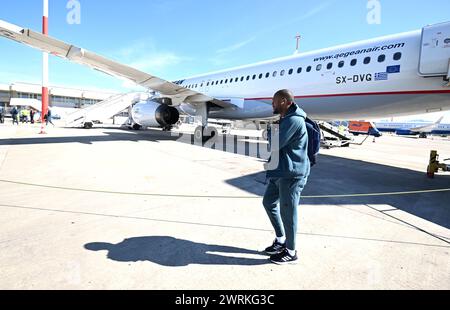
x=44 y=69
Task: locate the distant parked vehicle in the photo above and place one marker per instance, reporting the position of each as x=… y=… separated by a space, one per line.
x=363 y=128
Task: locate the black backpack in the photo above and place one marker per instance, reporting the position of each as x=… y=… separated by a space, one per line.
x=314 y=136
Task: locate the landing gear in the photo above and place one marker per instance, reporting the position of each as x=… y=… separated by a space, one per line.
x=88 y=125
x=136 y=127
x=423 y=135
x=168 y=128
x=205 y=134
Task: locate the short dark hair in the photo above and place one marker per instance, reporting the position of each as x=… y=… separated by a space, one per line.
x=285 y=94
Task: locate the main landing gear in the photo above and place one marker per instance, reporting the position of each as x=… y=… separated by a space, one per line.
x=204 y=133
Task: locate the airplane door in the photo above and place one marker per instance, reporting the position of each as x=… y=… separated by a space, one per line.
x=435 y=50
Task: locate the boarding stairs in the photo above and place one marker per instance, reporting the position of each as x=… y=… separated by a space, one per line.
x=104 y=110
x=332 y=136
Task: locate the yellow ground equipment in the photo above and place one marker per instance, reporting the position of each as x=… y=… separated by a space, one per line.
x=434 y=165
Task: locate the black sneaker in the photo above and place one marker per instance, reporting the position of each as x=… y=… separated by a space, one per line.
x=275 y=248
x=283 y=258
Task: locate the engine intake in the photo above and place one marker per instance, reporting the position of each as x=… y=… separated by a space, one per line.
x=153 y=114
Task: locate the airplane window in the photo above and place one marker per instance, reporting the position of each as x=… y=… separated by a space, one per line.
x=381 y=58
x=291 y=71
x=248 y=77
x=367 y=60
x=254 y=76
x=226 y=81
x=341 y=64
x=201 y=85
x=196 y=85
x=354 y=62
x=319 y=67
x=260 y=76
x=282 y=72
x=221 y=81
x=299 y=70
x=237 y=79
x=207 y=84
x=308 y=69
x=330 y=66
x=397 y=56
x=267 y=74
x=242 y=78
x=275 y=74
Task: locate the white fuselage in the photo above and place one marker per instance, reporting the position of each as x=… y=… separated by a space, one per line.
x=410 y=126
x=384 y=81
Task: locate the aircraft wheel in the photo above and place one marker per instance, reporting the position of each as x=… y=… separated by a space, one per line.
x=205 y=134
x=88 y=125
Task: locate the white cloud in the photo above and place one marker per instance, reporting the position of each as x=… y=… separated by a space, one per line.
x=315 y=11
x=144 y=56
x=312 y=12
x=158 y=61
x=235 y=47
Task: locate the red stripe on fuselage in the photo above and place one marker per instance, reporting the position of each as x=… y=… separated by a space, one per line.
x=420 y=92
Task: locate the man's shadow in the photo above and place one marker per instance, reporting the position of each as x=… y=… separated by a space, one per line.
x=172 y=252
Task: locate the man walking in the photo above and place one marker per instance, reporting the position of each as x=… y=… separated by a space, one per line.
x=287 y=180
x=15 y=115
x=49 y=118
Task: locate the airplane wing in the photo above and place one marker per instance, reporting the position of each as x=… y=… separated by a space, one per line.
x=177 y=93
x=427 y=128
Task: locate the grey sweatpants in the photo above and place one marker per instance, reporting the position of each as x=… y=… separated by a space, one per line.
x=281 y=201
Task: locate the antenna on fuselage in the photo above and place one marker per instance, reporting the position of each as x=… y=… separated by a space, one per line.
x=297 y=48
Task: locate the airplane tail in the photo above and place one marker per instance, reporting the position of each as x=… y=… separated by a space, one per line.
x=428 y=128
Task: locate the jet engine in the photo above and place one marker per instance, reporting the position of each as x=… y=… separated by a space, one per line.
x=153 y=114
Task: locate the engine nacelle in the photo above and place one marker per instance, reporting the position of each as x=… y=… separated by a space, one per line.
x=153 y=114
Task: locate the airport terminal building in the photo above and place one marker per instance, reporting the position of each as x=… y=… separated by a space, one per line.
x=60 y=97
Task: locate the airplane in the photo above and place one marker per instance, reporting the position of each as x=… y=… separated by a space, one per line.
x=401 y=74
x=415 y=128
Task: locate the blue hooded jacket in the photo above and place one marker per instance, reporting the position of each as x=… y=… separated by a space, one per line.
x=292 y=148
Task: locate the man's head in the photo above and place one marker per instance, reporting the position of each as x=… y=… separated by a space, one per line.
x=282 y=101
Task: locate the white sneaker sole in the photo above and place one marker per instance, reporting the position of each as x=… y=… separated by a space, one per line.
x=295 y=262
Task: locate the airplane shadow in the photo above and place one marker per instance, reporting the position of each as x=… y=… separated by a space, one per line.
x=172 y=252
x=109 y=136
x=339 y=176
x=331 y=176
x=149 y=135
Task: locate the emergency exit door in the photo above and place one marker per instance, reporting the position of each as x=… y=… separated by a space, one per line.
x=435 y=50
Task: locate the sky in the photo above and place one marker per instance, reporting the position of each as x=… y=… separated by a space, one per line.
x=174 y=39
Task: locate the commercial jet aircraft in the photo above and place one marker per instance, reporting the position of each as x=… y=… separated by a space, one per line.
x=401 y=74
x=421 y=129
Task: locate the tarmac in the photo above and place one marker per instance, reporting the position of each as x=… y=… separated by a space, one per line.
x=109 y=208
